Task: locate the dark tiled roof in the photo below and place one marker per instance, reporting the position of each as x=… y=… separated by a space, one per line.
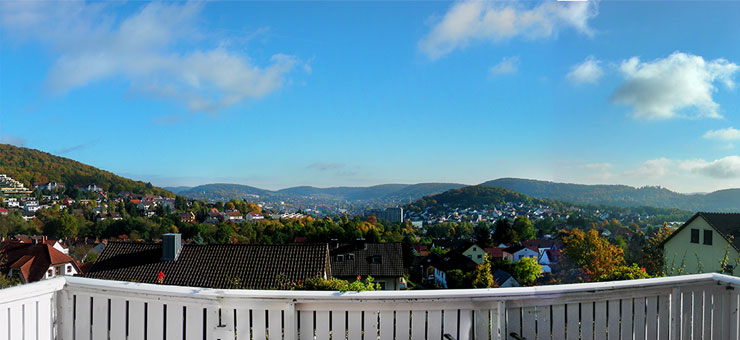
x=391 y=260
x=215 y=266
x=452 y=260
x=500 y=276
x=727 y=224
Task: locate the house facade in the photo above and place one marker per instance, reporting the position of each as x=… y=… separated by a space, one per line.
x=701 y=244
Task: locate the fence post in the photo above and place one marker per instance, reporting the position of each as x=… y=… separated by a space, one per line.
x=64 y=311
x=291 y=326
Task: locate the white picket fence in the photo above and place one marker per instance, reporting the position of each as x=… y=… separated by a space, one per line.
x=703 y=306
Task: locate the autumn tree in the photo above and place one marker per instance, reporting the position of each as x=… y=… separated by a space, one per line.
x=595 y=256
x=481 y=277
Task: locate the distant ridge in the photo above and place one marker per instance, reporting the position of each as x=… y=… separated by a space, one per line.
x=727 y=200
x=385 y=192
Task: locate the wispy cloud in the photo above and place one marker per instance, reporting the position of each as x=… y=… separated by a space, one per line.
x=78 y=147
x=154 y=48
x=723 y=168
x=680 y=85
x=467 y=22
x=727 y=134
x=508 y=65
x=325 y=166
x=587 y=72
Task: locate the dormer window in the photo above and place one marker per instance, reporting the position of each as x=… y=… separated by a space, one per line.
x=376 y=259
x=340 y=258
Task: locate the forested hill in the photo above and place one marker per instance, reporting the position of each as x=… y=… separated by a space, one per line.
x=476 y=197
x=484 y=197
x=30 y=166
x=622 y=195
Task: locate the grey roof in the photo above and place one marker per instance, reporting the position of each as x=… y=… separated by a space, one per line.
x=500 y=276
x=215 y=265
x=391 y=260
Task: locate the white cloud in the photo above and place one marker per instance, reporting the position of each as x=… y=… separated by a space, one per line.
x=654 y=168
x=157 y=49
x=680 y=85
x=587 y=72
x=727 y=167
x=508 y=65
x=727 y=134
x=470 y=21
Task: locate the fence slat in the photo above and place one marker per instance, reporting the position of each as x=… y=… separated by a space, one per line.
x=664 y=316
x=259 y=326
x=338 y=325
x=386 y=325
x=82 y=317
x=573 y=322
x=614 y=319
x=15 y=324
x=543 y=322
x=717 y=311
x=587 y=321
x=529 y=322
x=450 y=322
x=29 y=319
x=174 y=321
x=639 y=318
x=243 y=326
x=627 y=315
x=730 y=317
x=482 y=325
x=99 y=318
x=46 y=319
x=306 y=325
x=513 y=322
x=155 y=320
x=322 y=325
x=275 y=324
x=466 y=325
x=600 y=320
x=686 y=309
x=697 y=315
x=370 y=324
x=651 y=317
x=558 y=322
x=434 y=331
x=418 y=325
x=117 y=318
x=354 y=324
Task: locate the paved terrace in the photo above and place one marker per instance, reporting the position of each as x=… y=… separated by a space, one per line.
x=703 y=306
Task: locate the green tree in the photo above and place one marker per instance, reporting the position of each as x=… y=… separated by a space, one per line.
x=504 y=233
x=483 y=235
x=526 y=271
x=524 y=228
x=481 y=277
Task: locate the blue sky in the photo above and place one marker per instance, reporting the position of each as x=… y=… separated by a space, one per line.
x=278 y=94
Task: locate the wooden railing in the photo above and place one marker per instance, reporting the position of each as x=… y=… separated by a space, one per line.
x=703 y=306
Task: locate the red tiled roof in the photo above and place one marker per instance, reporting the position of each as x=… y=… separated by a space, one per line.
x=43 y=256
x=495 y=253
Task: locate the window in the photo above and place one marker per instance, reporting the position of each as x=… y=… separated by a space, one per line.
x=377 y=259
x=350 y=257
x=708 y=237
x=694 y=235
x=50 y=272
x=69 y=269
x=480 y=256
x=340 y=258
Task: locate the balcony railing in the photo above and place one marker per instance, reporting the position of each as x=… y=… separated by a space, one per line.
x=703 y=306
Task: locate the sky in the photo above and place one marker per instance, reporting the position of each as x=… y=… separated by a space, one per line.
x=352 y=93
